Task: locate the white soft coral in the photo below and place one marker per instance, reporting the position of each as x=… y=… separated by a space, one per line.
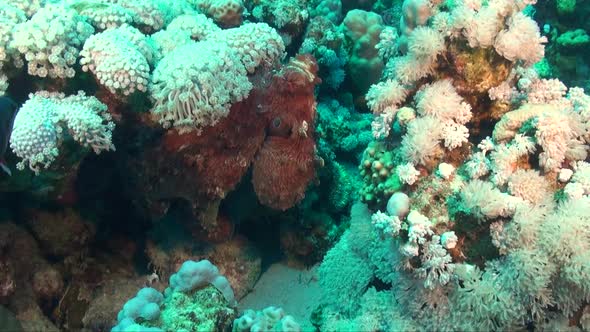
x=39 y=125
x=521 y=41
x=9 y=17
x=195 y=85
x=119 y=58
x=51 y=40
x=441 y=101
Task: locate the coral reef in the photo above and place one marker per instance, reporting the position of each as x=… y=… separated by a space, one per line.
x=201 y=165
x=465 y=241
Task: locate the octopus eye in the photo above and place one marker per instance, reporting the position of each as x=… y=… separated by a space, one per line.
x=276 y=122
x=278 y=127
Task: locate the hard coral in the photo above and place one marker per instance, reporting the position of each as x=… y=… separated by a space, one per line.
x=35 y=280
x=379 y=174
x=239 y=261
x=268 y=319
x=119 y=58
x=106 y=301
x=285 y=165
x=362 y=29
x=192 y=92
x=61 y=233
x=103 y=15
x=184 y=91
x=9 y=18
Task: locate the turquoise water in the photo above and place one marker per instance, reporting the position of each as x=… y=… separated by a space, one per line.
x=294 y=165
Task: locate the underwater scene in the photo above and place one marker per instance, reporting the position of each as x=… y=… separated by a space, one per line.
x=294 y=165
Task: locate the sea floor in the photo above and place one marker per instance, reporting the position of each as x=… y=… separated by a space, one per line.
x=295 y=290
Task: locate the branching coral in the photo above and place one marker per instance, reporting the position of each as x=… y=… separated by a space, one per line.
x=325 y=42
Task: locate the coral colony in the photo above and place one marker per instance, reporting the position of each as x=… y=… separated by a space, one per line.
x=294 y=165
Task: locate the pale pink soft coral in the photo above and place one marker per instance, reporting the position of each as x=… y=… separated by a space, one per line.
x=421 y=141
x=442 y=116
x=484 y=201
x=381 y=125
x=553 y=134
x=437 y=267
x=547 y=91
x=503 y=92
x=521 y=41
x=441 y=100
x=409 y=69
x=455 y=135
x=425 y=43
x=482 y=27
x=407 y=173
x=386 y=94
x=505 y=156
x=530 y=186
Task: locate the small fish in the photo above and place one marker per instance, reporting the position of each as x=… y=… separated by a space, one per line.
x=8 y=109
